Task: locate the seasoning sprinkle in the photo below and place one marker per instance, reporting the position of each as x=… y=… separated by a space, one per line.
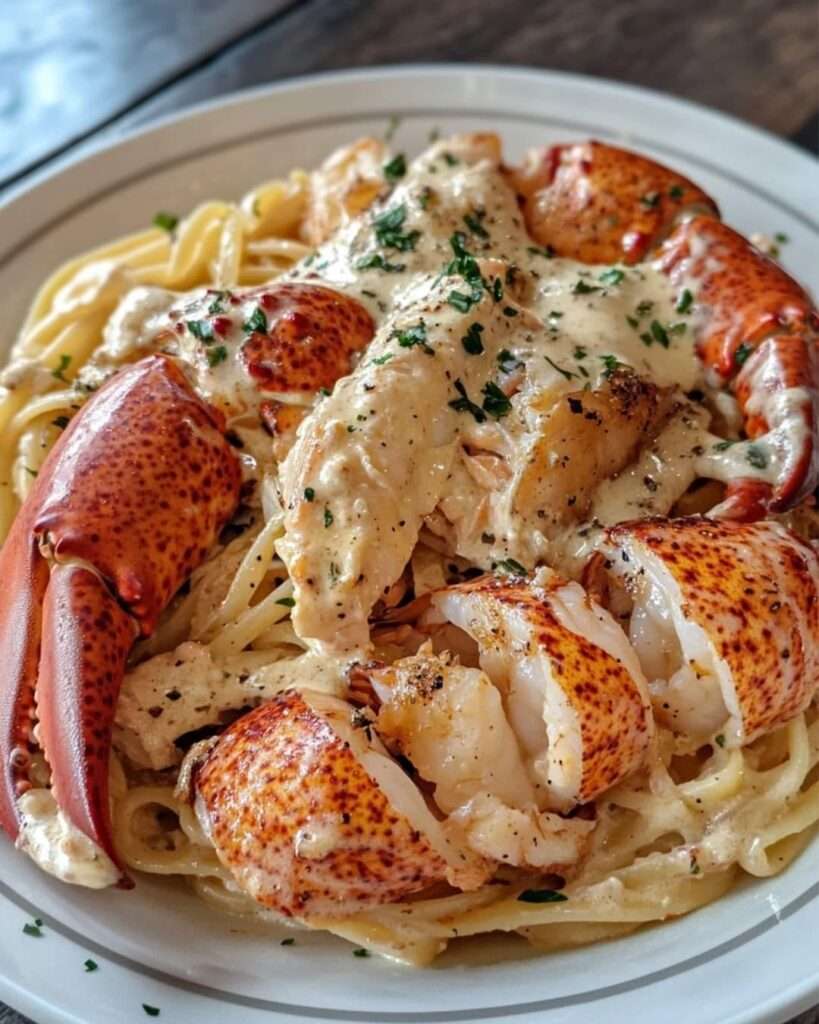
x=541 y=896
x=165 y=221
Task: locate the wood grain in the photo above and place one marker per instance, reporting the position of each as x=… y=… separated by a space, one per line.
x=755 y=59
x=67 y=67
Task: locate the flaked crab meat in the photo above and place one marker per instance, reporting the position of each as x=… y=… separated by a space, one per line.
x=313 y=817
x=724 y=617
x=572 y=688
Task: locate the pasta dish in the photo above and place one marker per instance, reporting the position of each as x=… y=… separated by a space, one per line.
x=417 y=549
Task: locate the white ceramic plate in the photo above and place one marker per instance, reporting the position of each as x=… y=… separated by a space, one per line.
x=750 y=957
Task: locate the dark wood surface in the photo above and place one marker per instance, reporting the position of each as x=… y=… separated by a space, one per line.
x=79 y=70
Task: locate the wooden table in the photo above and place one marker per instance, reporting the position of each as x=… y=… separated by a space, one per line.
x=77 y=71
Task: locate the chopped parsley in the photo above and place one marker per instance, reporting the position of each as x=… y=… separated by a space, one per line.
x=361 y=953
x=217 y=305
x=471 y=341
x=580 y=352
x=650 y=200
x=676 y=191
x=497 y=289
x=553 y=317
x=461 y=301
x=581 y=288
x=216 y=355
x=722 y=446
x=658 y=334
x=202 y=330
x=781 y=237
x=59 y=373
x=30 y=471
x=542 y=896
x=742 y=353
x=257 y=321
x=610 y=364
x=612 y=276
x=644 y=307
x=695 y=868
x=414 y=337
x=395 y=168
x=288 y=942
x=328 y=517
x=450 y=159
x=719 y=740
x=34 y=929
x=375 y=261
x=536 y=250
x=424 y=197
x=474 y=221
x=380 y=360
x=165 y=221
x=508 y=362
x=151 y=1011
x=388 y=231
x=309 y=494
x=465 y=403
x=495 y=402
x=756 y=456
x=685 y=301
x=91 y=965
x=564 y=373
x=287 y=602
x=511 y=567
x=61 y=422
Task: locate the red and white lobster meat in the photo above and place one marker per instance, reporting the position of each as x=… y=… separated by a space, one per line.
x=137 y=489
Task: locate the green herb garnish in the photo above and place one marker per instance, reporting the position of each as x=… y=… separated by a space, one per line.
x=756 y=456
x=35 y=929
x=465 y=403
x=612 y=276
x=495 y=401
x=474 y=221
x=380 y=360
x=328 y=517
x=152 y=1011
x=719 y=740
x=511 y=567
x=217 y=355
x=287 y=602
x=361 y=952
x=581 y=288
x=541 y=896
x=90 y=965
x=377 y=262
x=309 y=494
x=166 y=221
x=202 y=330
x=395 y=168
x=742 y=353
x=414 y=337
x=59 y=373
x=61 y=422
x=685 y=301
x=388 y=230
x=564 y=373
x=257 y=321
x=471 y=341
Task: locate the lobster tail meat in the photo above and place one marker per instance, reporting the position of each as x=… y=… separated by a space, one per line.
x=127 y=504
x=725 y=619
x=599 y=204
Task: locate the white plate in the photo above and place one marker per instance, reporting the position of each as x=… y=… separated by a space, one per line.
x=750 y=957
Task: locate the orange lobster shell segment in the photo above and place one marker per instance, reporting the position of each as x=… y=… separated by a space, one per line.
x=599 y=204
x=139 y=486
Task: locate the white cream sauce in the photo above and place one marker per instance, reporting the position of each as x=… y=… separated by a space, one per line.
x=58 y=847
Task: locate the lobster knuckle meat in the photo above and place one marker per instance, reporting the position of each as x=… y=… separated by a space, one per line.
x=312 y=334
x=289 y=799
x=599 y=204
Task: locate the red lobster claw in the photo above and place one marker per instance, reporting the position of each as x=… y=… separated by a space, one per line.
x=126 y=505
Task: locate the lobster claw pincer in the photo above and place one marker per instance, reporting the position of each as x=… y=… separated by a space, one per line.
x=127 y=504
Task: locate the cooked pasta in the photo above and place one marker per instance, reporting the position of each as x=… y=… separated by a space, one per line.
x=673 y=833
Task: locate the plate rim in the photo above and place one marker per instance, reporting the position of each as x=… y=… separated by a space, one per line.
x=87 y=154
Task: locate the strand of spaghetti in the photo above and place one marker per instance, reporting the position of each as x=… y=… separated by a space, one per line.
x=190 y=859
x=229 y=256
x=54 y=401
x=709 y=790
x=196 y=246
x=247 y=578
x=131 y=248
x=755 y=853
x=237 y=635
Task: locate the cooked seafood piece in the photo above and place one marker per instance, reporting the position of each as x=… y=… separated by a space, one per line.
x=314 y=818
x=724 y=617
x=572 y=687
x=448 y=720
